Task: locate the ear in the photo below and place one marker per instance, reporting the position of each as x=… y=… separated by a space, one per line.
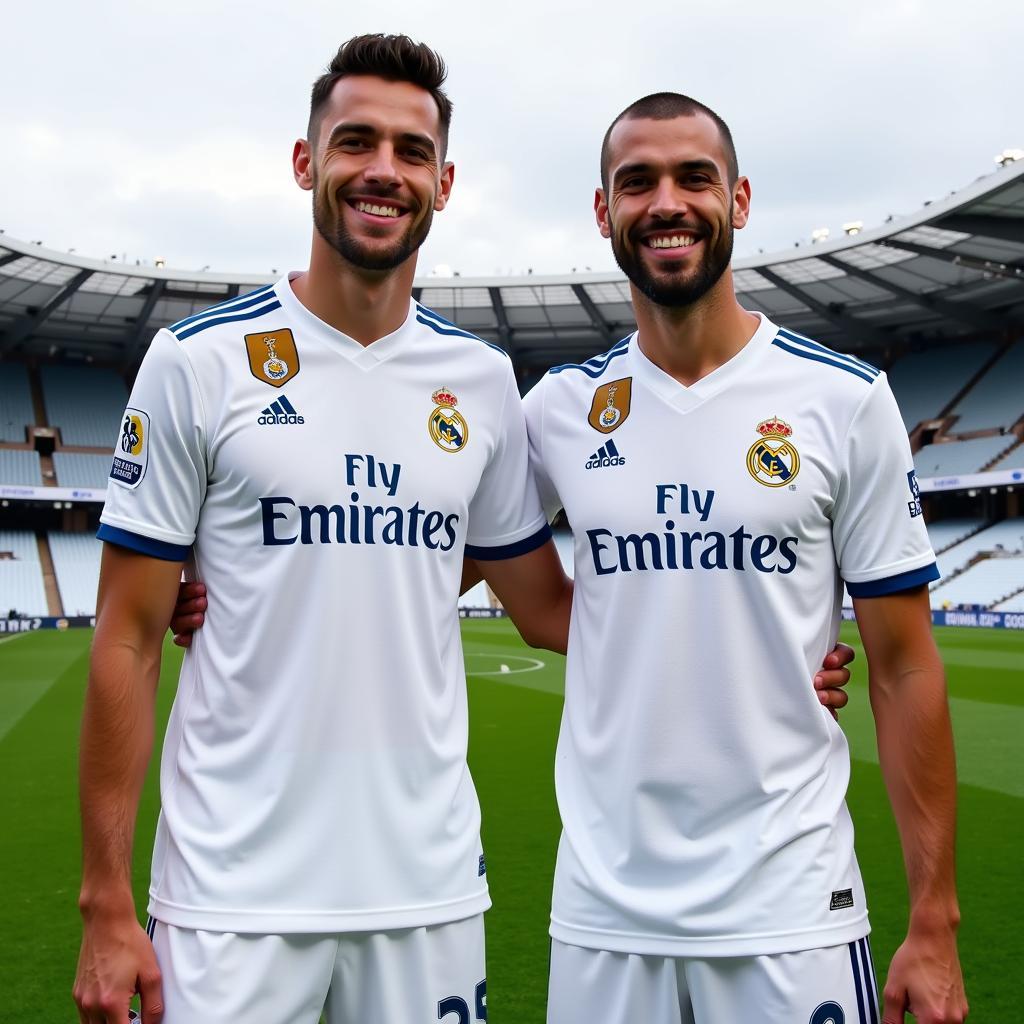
x=740 y=202
x=447 y=180
x=302 y=161
x=601 y=213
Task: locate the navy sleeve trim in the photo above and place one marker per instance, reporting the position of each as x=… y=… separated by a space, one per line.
x=144 y=545
x=894 y=584
x=520 y=547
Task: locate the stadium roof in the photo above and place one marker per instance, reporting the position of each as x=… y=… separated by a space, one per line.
x=955 y=270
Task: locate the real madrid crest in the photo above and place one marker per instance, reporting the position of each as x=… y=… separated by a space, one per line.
x=448 y=428
x=773 y=459
x=273 y=357
x=610 y=406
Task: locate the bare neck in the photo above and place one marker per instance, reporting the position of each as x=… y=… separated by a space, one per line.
x=364 y=304
x=690 y=342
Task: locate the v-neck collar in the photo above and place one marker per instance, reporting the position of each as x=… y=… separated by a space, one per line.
x=363 y=356
x=687 y=398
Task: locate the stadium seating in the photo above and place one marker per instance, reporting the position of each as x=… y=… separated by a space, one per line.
x=86 y=402
x=79 y=469
x=15 y=402
x=1012 y=460
x=997 y=400
x=955 y=458
x=19 y=466
x=947 y=532
x=1014 y=604
x=21 y=578
x=924 y=383
x=76 y=564
x=982 y=584
x=1007 y=535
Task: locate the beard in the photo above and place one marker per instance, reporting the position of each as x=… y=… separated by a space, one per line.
x=331 y=226
x=672 y=289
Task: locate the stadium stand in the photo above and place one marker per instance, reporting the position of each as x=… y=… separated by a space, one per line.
x=78 y=469
x=21 y=577
x=1007 y=535
x=985 y=584
x=924 y=383
x=957 y=457
x=997 y=400
x=20 y=467
x=76 y=564
x=85 y=402
x=15 y=402
x=1014 y=604
x=1012 y=460
x=947 y=532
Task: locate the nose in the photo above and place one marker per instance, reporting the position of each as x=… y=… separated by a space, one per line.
x=382 y=170
x=668 y=201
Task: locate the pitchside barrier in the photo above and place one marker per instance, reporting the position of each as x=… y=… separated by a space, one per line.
x=977 y=619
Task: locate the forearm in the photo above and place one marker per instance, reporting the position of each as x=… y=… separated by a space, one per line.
x=116 y=743
x=915 y=748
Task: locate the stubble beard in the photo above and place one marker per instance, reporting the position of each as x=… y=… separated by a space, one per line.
x=674 y=292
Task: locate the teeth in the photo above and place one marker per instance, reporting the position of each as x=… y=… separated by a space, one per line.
x=675 y=242
x=379 y=211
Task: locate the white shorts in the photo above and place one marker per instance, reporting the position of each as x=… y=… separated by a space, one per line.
x=413 y=974
x=816 y=986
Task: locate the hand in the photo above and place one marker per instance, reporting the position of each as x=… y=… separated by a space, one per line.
x=116 y=961
x=190 y=613
x=925 y=980
x=834 y=675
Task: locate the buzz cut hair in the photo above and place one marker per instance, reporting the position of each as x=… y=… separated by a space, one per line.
x=395 y=58
x=664 y=106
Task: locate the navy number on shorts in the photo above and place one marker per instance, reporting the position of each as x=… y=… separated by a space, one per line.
x=459 y=1006
x=828 y=1013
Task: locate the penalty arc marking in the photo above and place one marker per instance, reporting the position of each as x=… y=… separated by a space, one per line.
x=531 y=664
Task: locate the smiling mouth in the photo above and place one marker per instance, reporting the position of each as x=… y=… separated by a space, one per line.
x=678 y=241
x=376 y=209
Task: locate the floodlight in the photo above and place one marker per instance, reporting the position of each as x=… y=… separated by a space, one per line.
x=853 y=227
x=819 y=235
x=1009 y=156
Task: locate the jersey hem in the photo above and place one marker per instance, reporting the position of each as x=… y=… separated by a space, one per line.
x=143 y=545
x=274 y=923
x=885 y=572
x=711 y=945
x=520 y=547
x=894 y=584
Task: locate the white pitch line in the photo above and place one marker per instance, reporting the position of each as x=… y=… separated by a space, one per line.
x=16 y=636
x=533 y=665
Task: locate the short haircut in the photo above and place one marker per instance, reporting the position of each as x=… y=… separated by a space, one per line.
x=395 y=58
x=664 y=106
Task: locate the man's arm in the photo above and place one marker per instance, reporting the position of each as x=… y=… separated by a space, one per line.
x=915 y=750
x=535 y=591
x=136 y=597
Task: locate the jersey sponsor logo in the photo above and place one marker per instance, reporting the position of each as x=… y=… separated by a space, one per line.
x=773 y=460
x=132 y=455
x=606 y=455
x=914 y=505
x=273 y=357
x=279 y=413
x=610 y=407
x=842 y=899
x=448 y=429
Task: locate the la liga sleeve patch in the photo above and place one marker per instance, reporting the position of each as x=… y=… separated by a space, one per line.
x=131 y=457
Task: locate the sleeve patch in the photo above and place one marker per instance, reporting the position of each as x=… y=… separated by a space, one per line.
x=132 y=455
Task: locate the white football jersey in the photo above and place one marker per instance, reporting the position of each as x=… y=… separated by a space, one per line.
x=314 y=770
x=701 y=785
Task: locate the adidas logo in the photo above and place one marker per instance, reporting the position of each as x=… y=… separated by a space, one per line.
x=281 y=411
x=606 y=455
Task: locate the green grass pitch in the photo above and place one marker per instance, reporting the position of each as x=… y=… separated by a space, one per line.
x=514 y=722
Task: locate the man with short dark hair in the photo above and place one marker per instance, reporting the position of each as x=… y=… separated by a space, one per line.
x=706 y=870
x=323 y=451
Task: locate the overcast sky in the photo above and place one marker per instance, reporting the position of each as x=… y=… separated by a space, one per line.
x=165 y=129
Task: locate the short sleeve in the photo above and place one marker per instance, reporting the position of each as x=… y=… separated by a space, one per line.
x=533 y=407
x=505 y=517
x=880 y=538
x=158 y=476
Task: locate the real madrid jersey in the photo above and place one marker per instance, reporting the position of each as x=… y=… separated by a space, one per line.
x=701 y=785
x=314 y=770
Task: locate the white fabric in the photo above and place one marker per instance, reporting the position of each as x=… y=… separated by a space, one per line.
x=407 y=975
x=834 y=985
x=701 y=785
x=314 y=770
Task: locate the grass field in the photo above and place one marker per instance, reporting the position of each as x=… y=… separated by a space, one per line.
x=514 y=717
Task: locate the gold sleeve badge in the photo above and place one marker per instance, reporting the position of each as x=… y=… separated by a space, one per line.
x=273 y=357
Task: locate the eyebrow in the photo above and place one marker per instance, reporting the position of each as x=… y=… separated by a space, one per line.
x=367 y=130
x=687 y=165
